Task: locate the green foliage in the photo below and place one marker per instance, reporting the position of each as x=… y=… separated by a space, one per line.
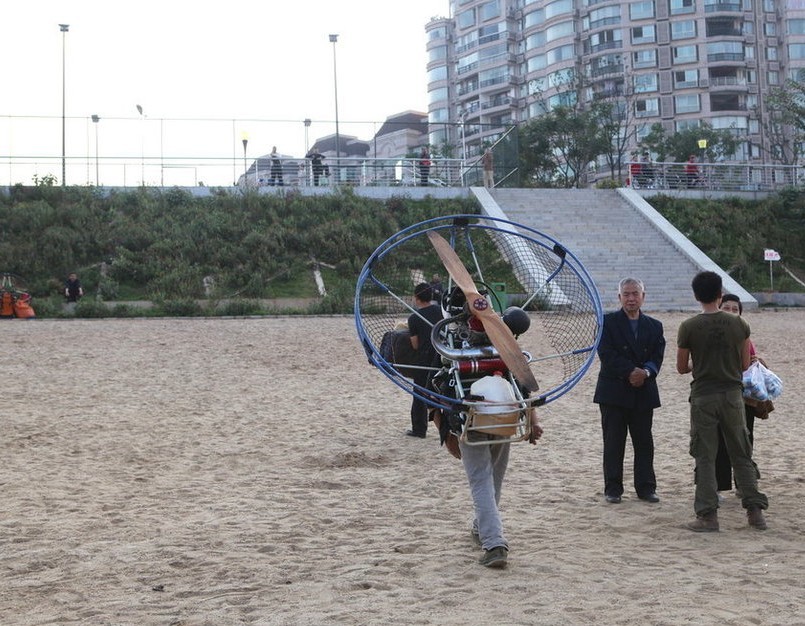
x=734 y=233
x=721 y=144
x=162 y=244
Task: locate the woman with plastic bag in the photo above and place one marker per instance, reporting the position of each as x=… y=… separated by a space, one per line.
x=730 y=303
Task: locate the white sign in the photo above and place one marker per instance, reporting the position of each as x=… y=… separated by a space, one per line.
x=771 y=255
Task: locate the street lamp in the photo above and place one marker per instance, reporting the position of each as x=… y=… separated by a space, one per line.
x=333 y=40
x=142 y=145
x=307 y=123
x=95 y=120
x=64 y=29
x=245 y=140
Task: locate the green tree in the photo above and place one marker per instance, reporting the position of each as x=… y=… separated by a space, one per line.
x=784 y=122
x=721 y=144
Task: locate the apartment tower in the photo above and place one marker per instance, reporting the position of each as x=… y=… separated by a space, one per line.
x=494 y=63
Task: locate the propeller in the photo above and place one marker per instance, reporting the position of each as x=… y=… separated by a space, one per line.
x=497 y=331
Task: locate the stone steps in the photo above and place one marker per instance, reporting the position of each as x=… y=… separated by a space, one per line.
x=614 y=235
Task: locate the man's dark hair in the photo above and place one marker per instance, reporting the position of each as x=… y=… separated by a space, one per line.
x=706 y=287
x=731 y=297
x=423 y=292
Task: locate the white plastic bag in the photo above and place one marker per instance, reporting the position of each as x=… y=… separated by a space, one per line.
x=755 y=382
x=760 y=383
x=774 y=386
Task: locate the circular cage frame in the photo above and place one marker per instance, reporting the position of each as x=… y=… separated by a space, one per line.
x=451 y=226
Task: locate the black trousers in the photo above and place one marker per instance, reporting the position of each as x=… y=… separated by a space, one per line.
x=419 y=409
x=723 y=465
x=616 y=422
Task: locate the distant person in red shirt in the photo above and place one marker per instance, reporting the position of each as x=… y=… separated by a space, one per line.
x=692 y=172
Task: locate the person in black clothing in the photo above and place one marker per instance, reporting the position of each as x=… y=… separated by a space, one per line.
x=420 y=325
x=316 y=165
x=72 y=288
x=631 y=352
x=276 y=169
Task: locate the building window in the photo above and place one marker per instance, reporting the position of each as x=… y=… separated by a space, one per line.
x=437 y=115
x=437 y=53
x=771 y=54
x=641 y=10
x=683 y=125
x=647 y=108
x=686 y=79
x=437 y=33
x=534 y=18
x=603 y=17
x=605 y=40
x=685 y=54
x=560 y=54
x=683 y=30
x=768 y=6
x=490 y=10
x=437 y=74
x=558 y=8
x=678 y=7
x=643 y=34
x=466 y=19
x=644 y=58
x=773 y=77
x=688 y=103
x=795 y=27
x=557 y=31
x=644 y=83
x=435 y=95
x=538 y=62
x=770 y=29
x=726 y=51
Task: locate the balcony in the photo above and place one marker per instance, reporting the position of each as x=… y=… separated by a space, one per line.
x=723 y=7
x=721 y=57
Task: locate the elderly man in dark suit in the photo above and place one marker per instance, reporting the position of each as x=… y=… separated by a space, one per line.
x=631 y=352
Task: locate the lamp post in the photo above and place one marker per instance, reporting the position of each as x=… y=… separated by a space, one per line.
x=95 y=120
x=64 y=29
x=142 y=145
x=702 y=143
x=307 y=123
x=245 y=140
x=333 y=40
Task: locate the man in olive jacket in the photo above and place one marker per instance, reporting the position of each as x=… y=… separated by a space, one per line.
x=631 y=351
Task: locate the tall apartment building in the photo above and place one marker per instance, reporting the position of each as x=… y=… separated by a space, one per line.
x=494 y=63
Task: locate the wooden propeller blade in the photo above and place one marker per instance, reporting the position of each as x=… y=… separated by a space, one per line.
x=497 y=331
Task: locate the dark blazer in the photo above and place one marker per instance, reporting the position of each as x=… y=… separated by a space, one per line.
x=620 y=352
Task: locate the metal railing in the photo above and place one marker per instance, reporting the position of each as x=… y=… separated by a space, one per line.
x=713 y=176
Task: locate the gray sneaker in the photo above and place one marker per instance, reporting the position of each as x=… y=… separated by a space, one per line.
x=496 y=557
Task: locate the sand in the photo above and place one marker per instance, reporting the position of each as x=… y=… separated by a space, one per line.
x=254 y=471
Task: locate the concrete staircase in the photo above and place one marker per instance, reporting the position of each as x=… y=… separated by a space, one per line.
x=614 y=233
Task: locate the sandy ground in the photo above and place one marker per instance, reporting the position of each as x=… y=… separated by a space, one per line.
x=254 y=471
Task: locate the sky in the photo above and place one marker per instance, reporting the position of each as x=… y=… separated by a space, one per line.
x=266 y=65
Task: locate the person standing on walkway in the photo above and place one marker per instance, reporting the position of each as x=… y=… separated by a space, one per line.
x=631 y=352
x=488 y=164
x=424 y=167
x=276 y=169
x=714 y=346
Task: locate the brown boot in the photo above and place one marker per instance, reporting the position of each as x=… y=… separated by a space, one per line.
x=707 y=523
x=755 y=518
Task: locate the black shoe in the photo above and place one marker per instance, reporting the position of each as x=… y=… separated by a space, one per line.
x=650 y=497
x=411 y=433
x=614 y=499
